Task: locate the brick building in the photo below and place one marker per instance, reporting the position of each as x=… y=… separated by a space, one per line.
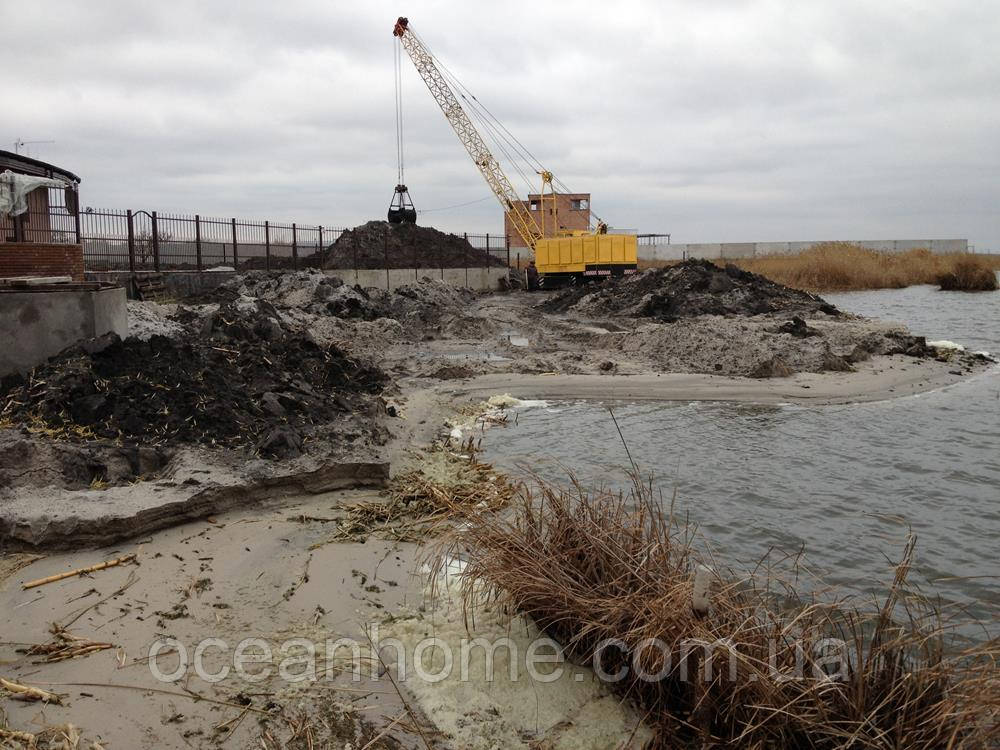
x=44 y=240
x=571 y=213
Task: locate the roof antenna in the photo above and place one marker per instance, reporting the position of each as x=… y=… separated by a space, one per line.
x=19 y=143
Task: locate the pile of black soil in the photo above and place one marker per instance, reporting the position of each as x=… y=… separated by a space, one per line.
x=379 y=244
x=242 y=382
x=688 y=289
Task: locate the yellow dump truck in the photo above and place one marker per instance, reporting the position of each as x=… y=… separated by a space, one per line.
x=584 y=255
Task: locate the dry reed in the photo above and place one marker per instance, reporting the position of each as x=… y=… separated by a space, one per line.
x=447 y=488
x=845 y=266
x=589 y=566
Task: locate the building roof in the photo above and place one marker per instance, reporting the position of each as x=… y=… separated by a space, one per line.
x=26 y=165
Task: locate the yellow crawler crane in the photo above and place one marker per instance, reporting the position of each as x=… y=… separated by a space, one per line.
x=561 y=258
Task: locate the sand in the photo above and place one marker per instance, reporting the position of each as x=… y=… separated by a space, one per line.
x=243 y=565
x=499 y=705
x=235 y=576
x=876 y=380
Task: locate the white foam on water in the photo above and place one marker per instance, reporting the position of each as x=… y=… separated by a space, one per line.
x=945 y=344
x=494 y=406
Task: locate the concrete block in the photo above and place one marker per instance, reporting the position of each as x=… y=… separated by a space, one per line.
x=37 y=325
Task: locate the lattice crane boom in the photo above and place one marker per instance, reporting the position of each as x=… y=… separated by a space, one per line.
x=466 y=131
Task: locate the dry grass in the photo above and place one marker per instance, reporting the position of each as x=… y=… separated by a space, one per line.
x=844 y=266
x=592 y=566
x=449 y=487
x=968 y=273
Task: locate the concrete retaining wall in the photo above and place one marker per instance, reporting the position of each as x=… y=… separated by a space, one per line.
x=36 y=325
x=186 y=283
x=177 y=283
x=474 y=278
x=754 y=249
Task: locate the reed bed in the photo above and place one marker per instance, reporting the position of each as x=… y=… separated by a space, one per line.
x=845 y=266
x=718 y=659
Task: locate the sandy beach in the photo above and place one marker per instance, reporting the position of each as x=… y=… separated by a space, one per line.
x=231 y=546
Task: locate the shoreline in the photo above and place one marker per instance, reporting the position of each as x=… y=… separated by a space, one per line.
x=267 y=561
x=880 y=379
x=262 y=559
x=59 y=519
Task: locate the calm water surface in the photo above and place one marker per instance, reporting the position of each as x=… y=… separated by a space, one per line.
x=842 y=482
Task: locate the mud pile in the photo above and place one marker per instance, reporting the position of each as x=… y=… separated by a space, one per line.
x=317 y=293
x=243 y=381
x=689 y=289
x=379 y=244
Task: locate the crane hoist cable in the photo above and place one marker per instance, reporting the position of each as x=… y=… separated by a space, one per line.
x=397 y=72
x=512 y=149
x=401 y=207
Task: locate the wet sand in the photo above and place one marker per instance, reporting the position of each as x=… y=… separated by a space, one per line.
x=247 y=570
x=249 y=573
x=876 y=380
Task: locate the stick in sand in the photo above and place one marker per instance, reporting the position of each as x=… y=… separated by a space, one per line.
x=77 y=572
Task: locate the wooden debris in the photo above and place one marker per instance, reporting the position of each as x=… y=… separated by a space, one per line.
x=28 y=693
x=10 y=564
x=422 y=502
x=65 y=645
x=78 y=572
x=27 y=738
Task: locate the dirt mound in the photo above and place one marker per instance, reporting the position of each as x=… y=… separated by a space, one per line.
x=317 y=293
x=379 y=244
x=688 y=289
x=243 y=382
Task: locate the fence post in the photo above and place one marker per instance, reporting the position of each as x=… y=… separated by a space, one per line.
x=320 y=252
x=465 y=250
x=156 y=241
x=131 y=242
x=519 y=261
x=295 y=248
x=385 y=238
x=267 y=245
x=236 y=257
x=197 y=239
x=357 y=273
x=507 y=242
x=416 y=263
x=76 y=219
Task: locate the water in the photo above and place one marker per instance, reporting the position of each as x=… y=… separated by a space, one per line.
x=843 y=483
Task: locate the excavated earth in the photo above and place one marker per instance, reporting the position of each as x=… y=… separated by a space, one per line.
x=379 y=244
x=689 y=289
x=276 y=376
x=241 y=381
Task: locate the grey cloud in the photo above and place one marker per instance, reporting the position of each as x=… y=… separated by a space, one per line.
x=719 y=120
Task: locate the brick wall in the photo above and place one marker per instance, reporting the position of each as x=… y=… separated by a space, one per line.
x=41 y=259
x=568 y=217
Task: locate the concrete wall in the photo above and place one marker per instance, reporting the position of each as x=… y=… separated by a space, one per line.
x=474 y=278
x=754 y=249
x=41 y=259
x=36 y=325
x=177 y=283
x=187 y=283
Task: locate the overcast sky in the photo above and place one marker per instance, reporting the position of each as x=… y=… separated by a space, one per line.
x=717 y=120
